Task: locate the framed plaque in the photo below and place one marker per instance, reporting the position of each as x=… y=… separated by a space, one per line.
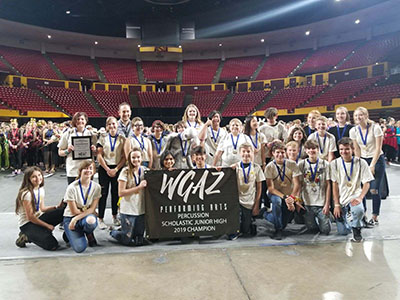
x=82 y=148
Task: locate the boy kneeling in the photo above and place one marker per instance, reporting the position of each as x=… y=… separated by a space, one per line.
x=347 y=175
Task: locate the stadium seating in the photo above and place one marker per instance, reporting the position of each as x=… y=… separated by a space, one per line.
x=384 y=93
x=243 y=103
x=199 y=71
x=207 y=101
x=71 y=100
x=292 y=97
x=24 y=100
x=28 y=62
x=341 y=92
x=75 y=66
x=372 y=51
x=4 y=68
x=324 y=59
x=119 y=70
x=281 y=64
x=242 y=67
x=109 y=101
x=167 y=99
x=165 y=71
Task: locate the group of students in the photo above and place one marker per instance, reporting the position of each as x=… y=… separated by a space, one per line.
x=284 y=172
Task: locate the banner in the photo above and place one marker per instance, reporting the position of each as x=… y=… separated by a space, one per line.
x=186 y=203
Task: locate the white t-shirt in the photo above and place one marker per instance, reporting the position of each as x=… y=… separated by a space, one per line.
x=72 y=166
x=326 y=145
x=274 y=132
x=26 y=196
x=142 y=143
x=313 y=192
x=368 y=150
x=291 y=171
x=211 y=145
x=73 y=193
x=259 y=142
x=361 y=174
x=112 y=157
x=133 y=204
x=247 y=191
x=231 y=155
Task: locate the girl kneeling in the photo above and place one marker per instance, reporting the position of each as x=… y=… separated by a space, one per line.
x=131 y=187
x=82 y=197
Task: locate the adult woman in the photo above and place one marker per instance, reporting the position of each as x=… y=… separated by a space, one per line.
x=28 y=139
x=36 y=220
x=50 y=148
x=390 y=141
x=111 y=158
x=342 y=129
x=15 y=141
x=368 y=138
x=257 y=139
x=398 y=140
x=65 y=147
x=311 y=117
x=137 y=140
x=158 y=141
x=298 y=135
x=191 y=117
x=82 y=197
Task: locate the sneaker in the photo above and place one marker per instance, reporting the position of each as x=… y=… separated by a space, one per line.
x=91 y=240
x=357 y=237
x=367 y=223
x=233 y=237
x=61 y=226
x=373 y=222
x=277 y=235
x=19 y=172
x=21 y=240
x=102 y=225
x=116 y=222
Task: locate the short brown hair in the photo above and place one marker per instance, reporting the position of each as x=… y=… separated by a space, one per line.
x=270 y=112
x=278 y=145
x=311 y=144
x=77 y=115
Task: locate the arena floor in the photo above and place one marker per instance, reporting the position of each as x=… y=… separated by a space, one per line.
x=302 y=266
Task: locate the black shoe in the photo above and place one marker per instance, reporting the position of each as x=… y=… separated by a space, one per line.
x=138 y=241
x=21 y=240
x=366 y=223
x=357 y=237
x=65 y=238
x=277 y=235
x=91 y=240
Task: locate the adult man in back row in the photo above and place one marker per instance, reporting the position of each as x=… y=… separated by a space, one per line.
x=124 y=122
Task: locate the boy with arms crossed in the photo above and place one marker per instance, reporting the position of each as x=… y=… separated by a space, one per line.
x=325 y=140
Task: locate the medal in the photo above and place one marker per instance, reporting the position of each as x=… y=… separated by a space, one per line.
x=281 y=173
x=351 y=171
x=364 y=140
x=157 y=144
x=213 y=136
x=37 y=200
x=256 y=143
x=112 y=145
x=184 y=159
x=137 y=180
x=87 y=195
x=313 y=172
x=338 y=132
x=184 y=149
x=235 y=144
x=140 y=143
x=321 y=149
x=112 y=154
x=246 y=177
x=283 y=184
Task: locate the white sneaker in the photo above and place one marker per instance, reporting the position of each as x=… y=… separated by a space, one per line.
x=116 y=222
x=102 y=225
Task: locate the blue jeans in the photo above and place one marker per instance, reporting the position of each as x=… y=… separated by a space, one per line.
x=279 y=216
x=131 y=227
x=316 y=220
x=77 y=237
x=357 y=213
x=374 y=185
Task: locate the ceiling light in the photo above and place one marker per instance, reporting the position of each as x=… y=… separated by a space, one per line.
x=180 y=46
x=357 y=21
x=337 y=0
x=308 y=32
x=220 y=45
x=96 y=42
x=68 y=12
x=262 y=40
x=138 y=46
x=49 y=36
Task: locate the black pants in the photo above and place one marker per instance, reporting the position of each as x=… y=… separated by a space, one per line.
x=51 y=155
x=30 y=156
x=105 y=181
x=70 y=180
x=16 y=158
x=42 y=236
x=245 y=220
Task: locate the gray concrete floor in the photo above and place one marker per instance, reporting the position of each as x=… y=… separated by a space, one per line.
x=302 y=266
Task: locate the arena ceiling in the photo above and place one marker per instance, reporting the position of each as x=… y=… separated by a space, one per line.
x=213 y=18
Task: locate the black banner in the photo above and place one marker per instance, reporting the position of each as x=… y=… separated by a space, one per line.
x=185 y=203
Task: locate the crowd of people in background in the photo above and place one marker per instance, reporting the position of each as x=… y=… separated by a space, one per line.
x=315 y=173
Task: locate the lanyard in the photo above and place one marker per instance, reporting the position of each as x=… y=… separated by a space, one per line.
x=256 y=143
x=213 y=136
x=338 y=132
x=83 y=196
x=321 y=148
x=140 y=143
x=313 y=172
x=112 y=144
x=137 y=180
x=37 y=200
x=237 y=140
x=364 y=140
x=205 y=167
x=351 y=168
x=157 y=144
x=246 y=177
x=281 y=173
x=83 y=132
x=195 y=124
x=184 y=149
x=299 y=155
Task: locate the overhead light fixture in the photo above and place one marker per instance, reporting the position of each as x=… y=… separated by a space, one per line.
x=49 y=36
x=180 y=46
x=262 y=40
x=96 y=42
x=308 y=32
x=68 y=12
x=337 y=0
x=220 y=45
x=357 y=21
x=138 y=46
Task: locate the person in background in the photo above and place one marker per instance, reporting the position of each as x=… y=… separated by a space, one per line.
x=124 y=122
x=158 y=142
x=298 y=135
x=311 y=118
x=390 y=141
x=342 y=129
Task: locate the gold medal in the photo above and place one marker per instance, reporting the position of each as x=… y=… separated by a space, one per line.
x=234 y=152
x=349 y=184
x=283 y=184
x=112 y=154
x=313 y=184
x=84 y=208
x=184 y=159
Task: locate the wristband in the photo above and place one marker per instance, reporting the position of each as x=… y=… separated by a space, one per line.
x=66 y=152
x=337 y=205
